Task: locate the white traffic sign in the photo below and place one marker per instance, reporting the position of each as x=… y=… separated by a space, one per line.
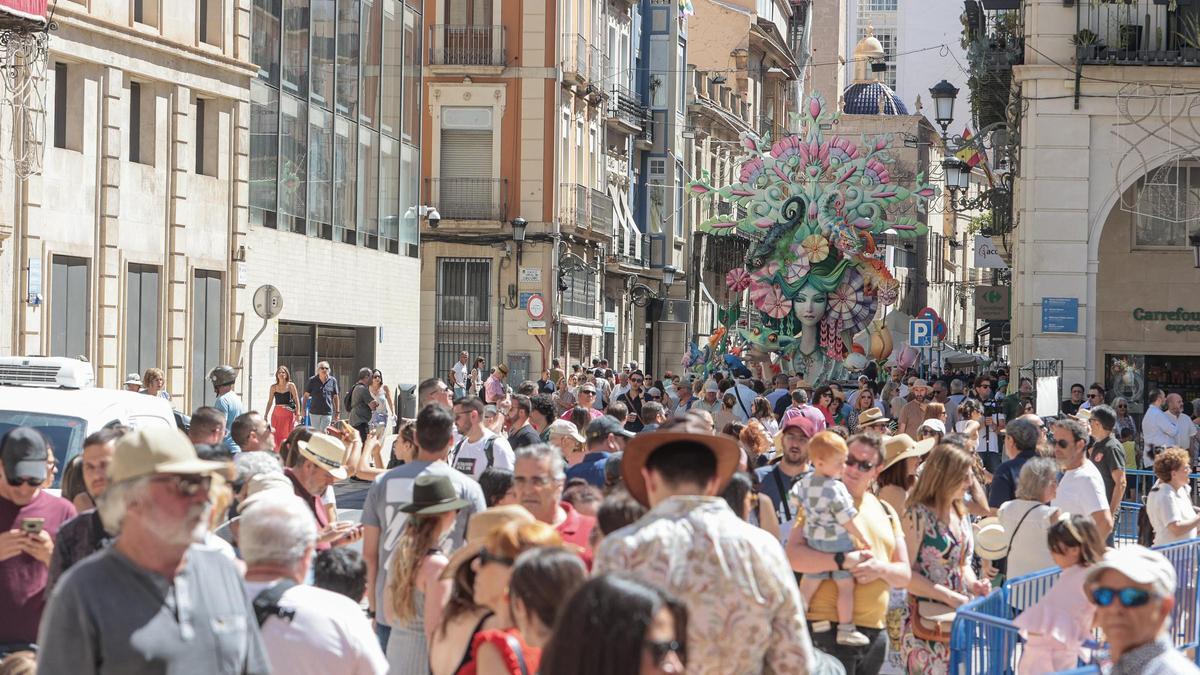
x=920 y=332
x=536 y=306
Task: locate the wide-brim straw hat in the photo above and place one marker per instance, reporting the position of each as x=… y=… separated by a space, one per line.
x=639 y=449
x=901 y=446
x=872 y=416
x=325 y=451
x=479 y=527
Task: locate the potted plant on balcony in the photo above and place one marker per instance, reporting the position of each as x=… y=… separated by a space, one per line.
x=1189 y=38
x=1087 y=44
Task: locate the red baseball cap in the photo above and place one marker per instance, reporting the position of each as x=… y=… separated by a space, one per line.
x=798 y=421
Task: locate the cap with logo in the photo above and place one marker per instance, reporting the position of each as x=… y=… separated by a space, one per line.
x=153 y=450
x=24 y=453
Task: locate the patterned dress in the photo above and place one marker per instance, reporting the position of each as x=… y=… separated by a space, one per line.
x=940 y=558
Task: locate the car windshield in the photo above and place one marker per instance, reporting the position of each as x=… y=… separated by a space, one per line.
x=64 y=434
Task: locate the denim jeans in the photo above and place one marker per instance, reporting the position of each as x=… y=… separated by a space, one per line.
x=319 y=422
x=382 y=633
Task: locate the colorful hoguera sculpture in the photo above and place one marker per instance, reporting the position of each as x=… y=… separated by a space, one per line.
x=814 y=209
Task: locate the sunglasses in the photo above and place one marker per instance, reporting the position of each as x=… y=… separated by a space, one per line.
x=31 y=482
x=660 y=649
x=862 y=464
x=486 y=556
x=636 y=380
x=1129 y=597
x=1062 y=444
x=186 y=486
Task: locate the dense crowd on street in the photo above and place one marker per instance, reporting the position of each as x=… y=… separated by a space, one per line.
x=595 y=522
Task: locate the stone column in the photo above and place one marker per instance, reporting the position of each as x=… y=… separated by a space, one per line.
x=107 y=273
x=175 y=306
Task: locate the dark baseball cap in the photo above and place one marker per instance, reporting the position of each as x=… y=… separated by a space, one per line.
x=602 y=426
x=23 y=451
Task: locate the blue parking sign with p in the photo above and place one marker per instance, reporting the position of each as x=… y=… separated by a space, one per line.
x=920 y=332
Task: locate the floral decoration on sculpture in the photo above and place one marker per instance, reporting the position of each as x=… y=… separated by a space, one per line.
x=814 y=209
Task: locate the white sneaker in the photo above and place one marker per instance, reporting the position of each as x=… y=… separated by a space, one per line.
x=851 y=637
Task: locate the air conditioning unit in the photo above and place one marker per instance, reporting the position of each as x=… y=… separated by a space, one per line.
x=46 y=371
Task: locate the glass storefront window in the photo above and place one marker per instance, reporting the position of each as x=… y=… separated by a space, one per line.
x=293 y=163
x=347 y=57
x=295 y=47
x=320 y=165
x=345 y=183
x=264 y=40
x=368 y=187
x=389 y=193
x=264 y=153
x=410 y=196
x=324 y=48
x=393 y=79
x=411 y=119
x=370 y=56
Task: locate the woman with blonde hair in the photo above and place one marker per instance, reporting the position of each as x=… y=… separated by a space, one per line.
x=415 y=594
x=282 y=406
x=154 y=379
x=940 y=546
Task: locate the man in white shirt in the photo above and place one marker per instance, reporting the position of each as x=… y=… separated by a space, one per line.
x=1185 y=429
x=458 y=373
x=306 y=630
x=1158 y=430
x=479 y=447
x=1081 y=489
x=743 y=400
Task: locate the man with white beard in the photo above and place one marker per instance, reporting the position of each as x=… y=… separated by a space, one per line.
x=153 y=601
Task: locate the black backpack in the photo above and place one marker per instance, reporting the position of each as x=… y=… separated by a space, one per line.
x=1145 y=531
x=488 y=451
x=266 y=603
x=349 y=400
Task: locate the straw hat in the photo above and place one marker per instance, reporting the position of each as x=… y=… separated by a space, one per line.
x=920 y=384
x=642 y=446
x=154 y=450
x=900 y=447
x=326 y=452
x=479 y=527
x=502 y=368
x=872 y=416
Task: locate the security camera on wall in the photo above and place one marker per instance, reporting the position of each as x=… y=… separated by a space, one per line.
x=433 y=217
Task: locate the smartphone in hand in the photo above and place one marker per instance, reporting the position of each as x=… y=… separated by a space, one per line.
x=32 y=526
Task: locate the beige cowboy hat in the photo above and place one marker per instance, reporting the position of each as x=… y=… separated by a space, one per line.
x=919 y=384
x=900 y=447
x=872 y=416
x=639 y=449
x=479 y=527
x=327 y=452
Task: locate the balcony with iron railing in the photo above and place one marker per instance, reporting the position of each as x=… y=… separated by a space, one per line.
x=602 y=213
x=574 y=50
x=461 y=45
x=704 y=92
x=597 y=65
x=468 y=198
x=574 y=206
x=624 y=112
x=1138 y=32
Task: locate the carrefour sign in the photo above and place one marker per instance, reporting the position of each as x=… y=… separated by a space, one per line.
x=1178 y=320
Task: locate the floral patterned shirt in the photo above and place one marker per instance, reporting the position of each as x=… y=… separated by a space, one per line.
x=744 y=609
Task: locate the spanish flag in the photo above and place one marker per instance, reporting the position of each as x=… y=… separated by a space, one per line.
x=972 y=157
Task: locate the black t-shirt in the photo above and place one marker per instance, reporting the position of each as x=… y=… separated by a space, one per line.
x=1108 y=456
x=634 y=403
x=524 y=436
x=1069 y=407
x=321 y=394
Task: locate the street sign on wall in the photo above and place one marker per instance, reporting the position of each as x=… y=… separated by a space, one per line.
x=992 y=303
x=1060 y=315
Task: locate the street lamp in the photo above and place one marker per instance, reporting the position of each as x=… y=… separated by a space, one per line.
x=668 y=275
x=1194 y=240
x=518 y=226
x=953 y=169
x=944 y=95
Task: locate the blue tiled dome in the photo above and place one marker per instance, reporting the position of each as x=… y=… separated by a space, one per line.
x=862 y=98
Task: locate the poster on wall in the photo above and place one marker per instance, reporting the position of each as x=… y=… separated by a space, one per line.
x=1125 y=376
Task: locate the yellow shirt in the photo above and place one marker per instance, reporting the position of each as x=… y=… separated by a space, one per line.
x=882 y=530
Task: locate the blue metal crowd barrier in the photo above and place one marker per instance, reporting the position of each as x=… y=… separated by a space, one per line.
x=985 y=640
x=1139 y=481
x=1125 y=530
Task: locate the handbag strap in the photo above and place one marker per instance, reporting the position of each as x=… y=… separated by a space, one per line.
x=783 y=494
x=1018 y=527
x=515 y=645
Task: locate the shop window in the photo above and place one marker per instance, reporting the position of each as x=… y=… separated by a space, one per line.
x=141 y=318
x=461 y=317
x=69 y=306
x=580 y=297
x=207 y=306
x=1167 y=207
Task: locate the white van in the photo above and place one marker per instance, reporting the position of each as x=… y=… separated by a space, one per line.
x=58 y=397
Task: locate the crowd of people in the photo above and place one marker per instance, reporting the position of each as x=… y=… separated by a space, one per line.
x=590 y=522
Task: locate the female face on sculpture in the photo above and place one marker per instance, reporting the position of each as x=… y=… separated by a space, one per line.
x=810 y=304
